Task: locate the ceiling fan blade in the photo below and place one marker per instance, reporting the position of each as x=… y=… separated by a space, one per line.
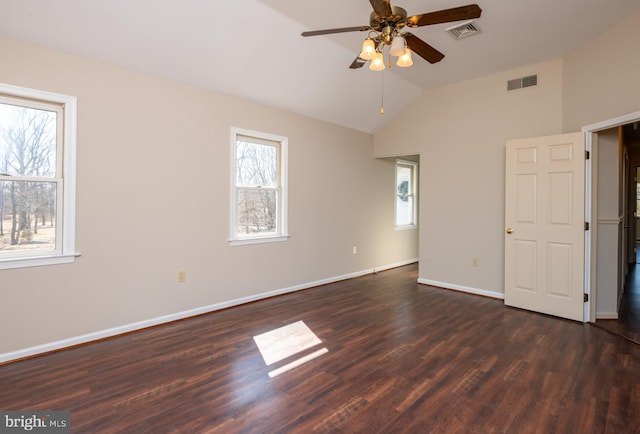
x=358 y=62
x=445 y=16
x=422 y=49
x=382 y=8
x=340 y=30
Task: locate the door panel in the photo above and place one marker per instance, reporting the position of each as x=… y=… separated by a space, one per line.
x=525 y=265
x=526 y=198
x=560 y=195
x=544 y=243
x=559 y=266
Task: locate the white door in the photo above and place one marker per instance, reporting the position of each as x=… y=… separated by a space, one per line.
x=544 y=239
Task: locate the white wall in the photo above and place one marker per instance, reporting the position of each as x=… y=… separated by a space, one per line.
x=460 y=133
x=153 y=195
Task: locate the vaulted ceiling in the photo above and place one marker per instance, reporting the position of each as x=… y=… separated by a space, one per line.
x=253 y=49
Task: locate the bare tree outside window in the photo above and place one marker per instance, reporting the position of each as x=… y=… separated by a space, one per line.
x=28 y=150
x=257 y=187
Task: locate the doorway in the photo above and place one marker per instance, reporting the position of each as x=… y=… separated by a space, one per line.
x=400 y=205
x=615 y=278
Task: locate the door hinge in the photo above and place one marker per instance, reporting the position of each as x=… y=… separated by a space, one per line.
x=586 y=226
x=586 y=155
x=586 y=297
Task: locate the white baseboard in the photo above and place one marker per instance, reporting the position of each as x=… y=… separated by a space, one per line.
x=115 y=331
x=460 y=288
x=606 y=315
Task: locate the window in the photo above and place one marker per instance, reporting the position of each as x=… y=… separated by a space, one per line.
x=37 y=177
x=406 y=193
x=258 y=194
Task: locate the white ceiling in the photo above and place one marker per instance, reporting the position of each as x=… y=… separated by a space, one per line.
x=253 y=48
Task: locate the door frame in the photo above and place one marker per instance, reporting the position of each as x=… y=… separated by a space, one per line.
x=590 y=209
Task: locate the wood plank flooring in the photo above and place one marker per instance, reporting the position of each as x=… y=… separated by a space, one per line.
x=402 y=358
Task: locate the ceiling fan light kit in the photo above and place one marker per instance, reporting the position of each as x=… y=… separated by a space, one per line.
x=385 y=29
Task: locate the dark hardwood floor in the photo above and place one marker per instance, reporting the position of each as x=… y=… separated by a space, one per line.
x=402 y=358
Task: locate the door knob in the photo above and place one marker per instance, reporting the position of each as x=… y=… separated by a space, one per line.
x=509 y=230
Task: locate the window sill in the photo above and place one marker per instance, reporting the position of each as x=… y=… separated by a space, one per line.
x=263 y=240
x=405 y=227
x=37 y=261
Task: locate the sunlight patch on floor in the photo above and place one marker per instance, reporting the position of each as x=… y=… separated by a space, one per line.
x=284 y=342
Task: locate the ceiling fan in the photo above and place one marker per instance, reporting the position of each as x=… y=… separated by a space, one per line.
x=385 y=25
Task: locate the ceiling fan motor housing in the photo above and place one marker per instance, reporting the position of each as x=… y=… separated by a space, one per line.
x=396 y=20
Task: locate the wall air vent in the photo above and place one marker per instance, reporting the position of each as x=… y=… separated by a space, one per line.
x=463 y=30
x=519 y=83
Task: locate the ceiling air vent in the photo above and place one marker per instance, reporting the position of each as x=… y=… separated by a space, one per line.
x=463 y=30
x=519 y=83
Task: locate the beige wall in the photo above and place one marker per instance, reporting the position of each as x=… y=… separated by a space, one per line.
x=601 y=78
x=460 y=133
x=153 y=194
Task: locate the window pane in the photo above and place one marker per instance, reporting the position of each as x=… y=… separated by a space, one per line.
x=27 y=141
x=27 y=216
x=257 y=210
x=404 y=210
x=256 y=165
x=403 y=179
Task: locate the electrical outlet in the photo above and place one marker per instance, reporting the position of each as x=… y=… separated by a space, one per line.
x=182 y=276
x=355 y=250
x=474 y=262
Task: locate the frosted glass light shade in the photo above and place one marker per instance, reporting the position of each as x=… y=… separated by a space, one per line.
x=405 y=60
x=368 y=49
x=377 y=63
x=397 y=46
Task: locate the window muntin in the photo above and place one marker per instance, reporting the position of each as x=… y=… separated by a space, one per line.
x=259 y=187
x=37 y=177
x=405 y=187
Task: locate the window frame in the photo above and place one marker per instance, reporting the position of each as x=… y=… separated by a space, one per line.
x=412 y=193
x=282 y=198
x=65 y=177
